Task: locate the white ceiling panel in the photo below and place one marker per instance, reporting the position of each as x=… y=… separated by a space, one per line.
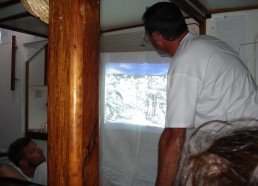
x=117 y=15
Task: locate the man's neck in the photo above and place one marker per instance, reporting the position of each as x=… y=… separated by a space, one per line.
x=173 y=45
x=28 y=171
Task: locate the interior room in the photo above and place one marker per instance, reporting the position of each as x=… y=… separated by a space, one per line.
x=107 y=131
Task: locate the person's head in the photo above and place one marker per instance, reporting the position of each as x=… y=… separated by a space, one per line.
x=232 y=159
x=25 y=152
x=164 y=18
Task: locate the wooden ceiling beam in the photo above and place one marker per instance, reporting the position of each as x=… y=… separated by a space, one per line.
x=13 y=17
x=188 y=9
x=23 y=31
x=9 y=3
x=243 y=8
x=202 y=8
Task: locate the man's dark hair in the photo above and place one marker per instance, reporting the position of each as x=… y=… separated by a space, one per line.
x=165 y=18
x=16 y=150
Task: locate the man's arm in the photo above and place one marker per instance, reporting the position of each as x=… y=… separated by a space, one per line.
x=170 y=147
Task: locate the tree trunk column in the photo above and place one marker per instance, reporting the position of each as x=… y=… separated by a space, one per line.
x=73 y=90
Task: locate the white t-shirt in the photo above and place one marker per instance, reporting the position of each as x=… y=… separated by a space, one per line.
x=40 y=175
x=19 y=170
x=208 y=81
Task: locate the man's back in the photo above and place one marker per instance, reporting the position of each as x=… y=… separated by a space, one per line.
x=213 y=83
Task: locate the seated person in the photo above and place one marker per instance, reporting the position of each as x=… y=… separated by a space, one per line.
x=28 y=162
x=230 y=158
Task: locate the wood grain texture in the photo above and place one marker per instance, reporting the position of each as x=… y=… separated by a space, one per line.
x=91 y=94
x=73 y=93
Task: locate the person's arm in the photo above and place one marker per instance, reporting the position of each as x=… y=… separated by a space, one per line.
x=170 y=147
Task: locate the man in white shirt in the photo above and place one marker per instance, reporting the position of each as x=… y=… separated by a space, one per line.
x=206 y=81
x=29 y=160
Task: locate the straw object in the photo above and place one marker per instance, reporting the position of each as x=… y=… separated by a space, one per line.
x=38 y=8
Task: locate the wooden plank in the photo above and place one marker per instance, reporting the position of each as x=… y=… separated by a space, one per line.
x=31 y=32
x=9 y=3
x=91 y=94
x=189 y=10
x=27 y=97
x=14 y=17
x=13 y=63
x=46 y=64
x=202 y=8
x=73 y=93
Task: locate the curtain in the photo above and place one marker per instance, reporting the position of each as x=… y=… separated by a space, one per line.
x=130 y=130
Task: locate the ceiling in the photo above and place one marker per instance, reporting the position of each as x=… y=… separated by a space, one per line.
x=120 y=20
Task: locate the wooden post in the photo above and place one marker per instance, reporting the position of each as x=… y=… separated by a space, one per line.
x=46 y=65
x=73 y=93
x=13 y=63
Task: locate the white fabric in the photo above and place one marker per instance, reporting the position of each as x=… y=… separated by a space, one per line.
x=19 y=170
x=128 y=153
x=208 y=81
x=40 y=175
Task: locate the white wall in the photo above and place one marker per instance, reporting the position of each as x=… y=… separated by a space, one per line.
x=12 y=103
x=240 y=30
x=37 y=89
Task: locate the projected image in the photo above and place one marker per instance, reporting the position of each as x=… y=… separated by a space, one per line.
x=135 y=94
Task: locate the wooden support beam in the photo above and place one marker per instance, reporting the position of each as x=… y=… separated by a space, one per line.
x=16 y=16
x=73 y=78
x=189 y=10
x=9 y=3
x=28 y=31
x=13 y=63
x=46 y=65
x=90 y=128
x=202 y=8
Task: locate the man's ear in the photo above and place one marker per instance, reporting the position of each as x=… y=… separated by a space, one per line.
x=23 y=162
x=156 y=35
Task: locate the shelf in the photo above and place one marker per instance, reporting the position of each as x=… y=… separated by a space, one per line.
x=3 y=154
x=36 y=135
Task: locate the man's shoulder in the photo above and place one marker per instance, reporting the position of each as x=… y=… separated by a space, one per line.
x=8 y=170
